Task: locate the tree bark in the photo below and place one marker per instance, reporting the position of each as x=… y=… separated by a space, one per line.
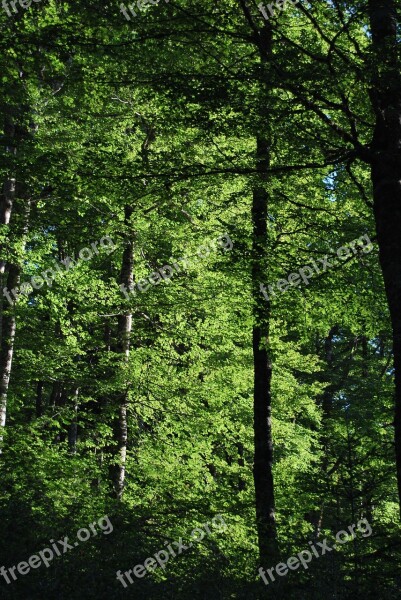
x=39 y=399
x=386 y=177
x=9 y=274
x=73 y=427
x=7 y=348
x=8 y=324
x=117 y=470
x=263 y=441
x=326 y=404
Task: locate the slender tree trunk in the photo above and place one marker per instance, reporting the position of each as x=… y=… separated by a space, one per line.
x=386 y=177
x=73 y=427
x=7 y=309
x=10 y=270
x=6 y=205
x=263 y=441
x=124 y=334
x=7 y=318
x=7 y=348
x=55 y=396
x=39 y=399
x=327 y=404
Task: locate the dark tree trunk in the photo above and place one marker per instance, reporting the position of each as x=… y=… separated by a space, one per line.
x=39 y=399
x=56 y=394
x=326 y=404
x=263 y=442
x=386 y=177
x=263 y=457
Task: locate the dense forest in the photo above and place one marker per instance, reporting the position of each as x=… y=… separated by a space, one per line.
x=200 y=278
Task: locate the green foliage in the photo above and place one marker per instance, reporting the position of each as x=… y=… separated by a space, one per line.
x=161 y=114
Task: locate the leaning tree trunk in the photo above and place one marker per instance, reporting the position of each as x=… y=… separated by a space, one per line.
x=386 y=177
x=263 y=442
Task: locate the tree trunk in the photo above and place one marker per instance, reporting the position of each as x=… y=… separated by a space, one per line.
x=55 y=396
x=263 y=456
x=39 y=399
x=9 y=274
x=73 y=427
x=7 y=348
x=117 y=470
x=326 y=404
x=7 y=318
x=386 y=177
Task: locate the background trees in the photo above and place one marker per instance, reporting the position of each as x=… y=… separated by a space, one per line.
x=162 y=133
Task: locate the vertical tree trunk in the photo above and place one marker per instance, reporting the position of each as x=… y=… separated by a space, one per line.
x=39 y=399
x=55 y=396
x=327 y=404
x=263 y=456
x=124 y=333
x=7 y=317
x=73 y=427
x=386 y=177
x=7 y=348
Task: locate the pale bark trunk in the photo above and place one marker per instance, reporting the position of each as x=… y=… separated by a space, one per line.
x=7 y=346
x=6 y=207
x=124 y=334
x=9 y=275
x=73 y=428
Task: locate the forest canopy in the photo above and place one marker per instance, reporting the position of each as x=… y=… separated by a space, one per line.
x=200 y=286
